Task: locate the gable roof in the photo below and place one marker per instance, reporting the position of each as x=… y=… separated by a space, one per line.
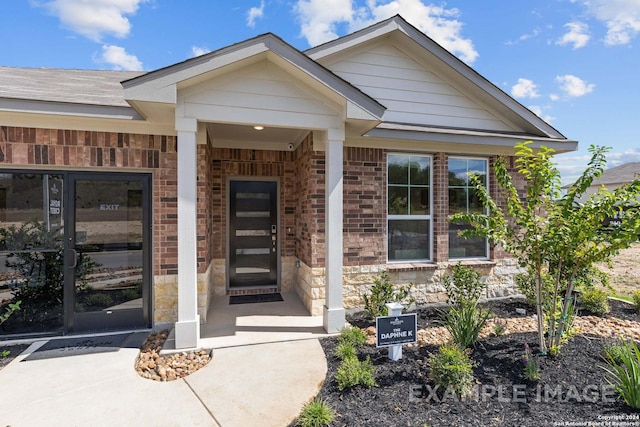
x=624 y=173
x=160 y=85
x=449 y=66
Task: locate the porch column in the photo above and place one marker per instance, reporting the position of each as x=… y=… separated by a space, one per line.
x=333 y=313
x=187 y=328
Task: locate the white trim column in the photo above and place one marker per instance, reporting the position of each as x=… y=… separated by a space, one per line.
x=187 y=328
x=333 y=312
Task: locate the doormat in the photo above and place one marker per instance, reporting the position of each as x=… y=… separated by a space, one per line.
x=252 y=299
x=79 y=346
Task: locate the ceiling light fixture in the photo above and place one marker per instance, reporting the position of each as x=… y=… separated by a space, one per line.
x=258 y=127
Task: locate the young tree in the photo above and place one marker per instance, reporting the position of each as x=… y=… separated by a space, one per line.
x=555 y=238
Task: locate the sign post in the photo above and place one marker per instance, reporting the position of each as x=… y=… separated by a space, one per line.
x=396 y=329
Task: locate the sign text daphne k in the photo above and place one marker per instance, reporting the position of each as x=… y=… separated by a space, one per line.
x=394 y=330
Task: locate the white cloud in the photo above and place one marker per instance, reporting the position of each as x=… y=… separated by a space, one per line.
x=574 y=86
x=539 y=111
x=578 y=35
x=119 y=59
x=554 y=97
x=320 y=19
x=255 y=13
x=622 y=18
x=525 y=88
x=571 y=165
x=199 y=50
x=95 y=18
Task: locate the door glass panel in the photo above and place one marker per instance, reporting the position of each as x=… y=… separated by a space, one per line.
x=108 y=245
x=31 y=252
x=253 y=233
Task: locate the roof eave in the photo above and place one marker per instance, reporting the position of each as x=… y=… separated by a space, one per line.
x=160 y=85
x=468 y=136
x=29 y=106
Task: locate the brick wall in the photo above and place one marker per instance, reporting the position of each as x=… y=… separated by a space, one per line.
x=365 y=176
x=107 y=151
x=226 y=162
x=440 y=207
x=309 y=221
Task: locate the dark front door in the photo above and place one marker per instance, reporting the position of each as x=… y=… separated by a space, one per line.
x=253 y=234
x=75 y=251
x=107 y=264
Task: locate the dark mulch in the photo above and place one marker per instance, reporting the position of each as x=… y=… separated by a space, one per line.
x=572 y=387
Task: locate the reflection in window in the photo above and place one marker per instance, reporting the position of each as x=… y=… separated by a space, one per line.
x=31 y=251
x=463 y=199
x=409 y=207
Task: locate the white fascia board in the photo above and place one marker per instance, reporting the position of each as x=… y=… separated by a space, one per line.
x=85 y=123
x=160 y=85
x=68 y=109
x=351 y=40
x=448 y=63
x=477 y=80
x=471 y=138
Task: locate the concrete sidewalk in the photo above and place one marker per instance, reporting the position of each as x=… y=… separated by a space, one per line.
x=251 y=385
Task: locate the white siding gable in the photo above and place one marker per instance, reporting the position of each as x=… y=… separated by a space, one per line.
x=262 y=94
x=412 y=93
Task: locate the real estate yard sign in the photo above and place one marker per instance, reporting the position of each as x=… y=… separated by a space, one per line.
x=396 y=330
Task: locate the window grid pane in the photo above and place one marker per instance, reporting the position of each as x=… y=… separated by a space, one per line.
x=409 y=207
x=463 y=198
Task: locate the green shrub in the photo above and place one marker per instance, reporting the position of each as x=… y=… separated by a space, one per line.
x=345 y=350
x=464 y=323
x=9 y=310
x=614 y=349
x=465 y=318
x=531 y=367
x=352 y=335
x=636 y=300
x=499 y=326
x=316 y=413
x=353 y=372
x=98 y=300
x=624 y=375
x=451 y=367
x=463 y=285
x=383 y=292
x=595 y=301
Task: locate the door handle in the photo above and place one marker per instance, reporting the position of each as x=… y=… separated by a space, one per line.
x=75 y=258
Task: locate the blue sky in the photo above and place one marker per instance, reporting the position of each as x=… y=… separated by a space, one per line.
x=573 y=62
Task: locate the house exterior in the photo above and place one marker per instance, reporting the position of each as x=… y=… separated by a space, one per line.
x=132 y=199
x=614 y=178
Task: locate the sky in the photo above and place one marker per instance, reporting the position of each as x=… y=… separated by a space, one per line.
x=575 y=63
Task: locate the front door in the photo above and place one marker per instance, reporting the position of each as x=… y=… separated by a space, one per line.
x=106 y=263
x=253 y=234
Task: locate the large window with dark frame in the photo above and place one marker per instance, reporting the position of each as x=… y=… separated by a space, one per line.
x=409 y=207
x=463 y=198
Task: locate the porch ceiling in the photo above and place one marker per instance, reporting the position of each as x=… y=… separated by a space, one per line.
x=245 y=136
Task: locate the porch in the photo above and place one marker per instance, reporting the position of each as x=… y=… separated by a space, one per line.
x=232 y=325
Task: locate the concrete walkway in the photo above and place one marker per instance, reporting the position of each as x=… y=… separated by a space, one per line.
x=250 y=385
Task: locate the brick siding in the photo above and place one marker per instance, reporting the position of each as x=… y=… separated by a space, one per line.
x=108 y=152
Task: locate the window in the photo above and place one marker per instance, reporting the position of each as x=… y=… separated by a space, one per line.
x=463 y=198
x=409 y=207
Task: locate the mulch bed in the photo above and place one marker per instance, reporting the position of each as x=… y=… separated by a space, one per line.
x=572 y=389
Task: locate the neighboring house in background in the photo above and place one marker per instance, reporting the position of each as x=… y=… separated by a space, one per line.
x=252 y=169
x=615 y=177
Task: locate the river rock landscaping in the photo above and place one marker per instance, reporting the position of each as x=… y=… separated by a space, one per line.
x=571 y=390
x=152 y=365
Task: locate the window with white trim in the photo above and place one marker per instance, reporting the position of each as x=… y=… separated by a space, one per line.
x=409 y=224
x=463 y=198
